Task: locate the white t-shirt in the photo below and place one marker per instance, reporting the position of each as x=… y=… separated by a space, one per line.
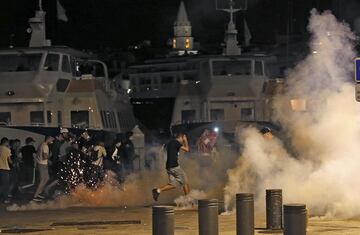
x=43 y=149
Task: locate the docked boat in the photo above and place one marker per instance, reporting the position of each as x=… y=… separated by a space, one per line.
x=45 y=87
x=186 y=89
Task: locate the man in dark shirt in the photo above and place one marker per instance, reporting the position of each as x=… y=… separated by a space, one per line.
x=175 y=173
x=127 y=153
x=27 y=168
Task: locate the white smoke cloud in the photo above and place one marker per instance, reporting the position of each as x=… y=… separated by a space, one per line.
x=324 y=171
x=206 y=178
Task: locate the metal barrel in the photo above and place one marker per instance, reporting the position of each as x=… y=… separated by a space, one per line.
x=274 y=209
x=163 y=220
x=295 y=219
x=208 y=217
x=245 y=214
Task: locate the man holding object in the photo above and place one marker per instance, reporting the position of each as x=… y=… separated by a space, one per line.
x=175 y=173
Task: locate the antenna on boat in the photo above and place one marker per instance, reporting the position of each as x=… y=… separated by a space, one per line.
x=40 y=5
x=231 y=42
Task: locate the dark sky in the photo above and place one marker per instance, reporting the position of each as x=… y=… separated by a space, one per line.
x=96 y=24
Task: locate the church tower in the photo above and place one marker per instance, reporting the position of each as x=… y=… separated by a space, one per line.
x=182 y=41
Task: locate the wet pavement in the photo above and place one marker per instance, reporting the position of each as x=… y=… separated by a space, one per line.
x=137 y=221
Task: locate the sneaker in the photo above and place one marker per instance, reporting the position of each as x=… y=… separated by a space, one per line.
x=7 y=201
x=40 y=196
x=37 y=199
x=155 y=194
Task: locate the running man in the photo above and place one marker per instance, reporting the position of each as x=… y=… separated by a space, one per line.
x=175 y=173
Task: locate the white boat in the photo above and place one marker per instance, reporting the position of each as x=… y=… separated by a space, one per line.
x=190 y=90
x=45 y=87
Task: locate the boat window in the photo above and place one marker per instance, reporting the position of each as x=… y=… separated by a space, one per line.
x=65 y=66
x=20 y=62
x=37 y=118
x=62 y=84
x=247 y=114
x=113 y=120
x=90 y=68
x=59 y=118
x=167 y=79
x=190 y=76
x=259 y=68
x=145 y=81
x=217 y=114
x=5 y=118
x=80 y=119
x=110 y=120
x=188 y=115
x=52 y=62
x=274 y=70
x=232 y=68
x=98 y=70
x=121 y=120
x=103 y=118
x=49 y=116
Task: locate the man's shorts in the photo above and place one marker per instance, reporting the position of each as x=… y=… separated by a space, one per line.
x=177 y=176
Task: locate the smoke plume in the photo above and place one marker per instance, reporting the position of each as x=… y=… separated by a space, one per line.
x=322 y=169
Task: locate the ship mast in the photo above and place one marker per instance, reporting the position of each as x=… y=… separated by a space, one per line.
x=38 y=29
x=40 y=5
x=231 y=43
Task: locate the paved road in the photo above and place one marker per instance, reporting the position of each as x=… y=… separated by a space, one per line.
x=185 y=222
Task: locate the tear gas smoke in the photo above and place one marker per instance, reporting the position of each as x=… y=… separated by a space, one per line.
x=191 y=200
x=136 y=190
x=323 y=169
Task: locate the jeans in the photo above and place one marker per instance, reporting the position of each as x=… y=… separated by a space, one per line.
x=4 y=185
x=14 y=181
x=44 y=178
x=27 y=175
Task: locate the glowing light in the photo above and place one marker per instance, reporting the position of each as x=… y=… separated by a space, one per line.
x=187 y=43
x=174 y=43
x=197 y=82
x=128 y=91
x=298 y=105
x=315 y=52
x=216 y=129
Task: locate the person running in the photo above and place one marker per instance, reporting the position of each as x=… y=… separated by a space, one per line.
x=175 y=173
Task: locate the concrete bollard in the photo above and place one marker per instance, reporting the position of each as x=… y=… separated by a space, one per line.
x=245 y=214
x=208 y=217
x=163 y=220
x=295 y=219
x=274 y=209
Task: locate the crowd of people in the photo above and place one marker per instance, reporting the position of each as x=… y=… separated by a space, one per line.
x=62 y=161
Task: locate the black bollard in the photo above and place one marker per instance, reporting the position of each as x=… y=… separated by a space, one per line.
x=208 y=217
x=221 y=207
x=295 y=219
x=274 y=209
x=245 y=214
x=163 y=220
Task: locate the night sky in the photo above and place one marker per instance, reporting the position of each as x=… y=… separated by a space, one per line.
x=98 y=24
